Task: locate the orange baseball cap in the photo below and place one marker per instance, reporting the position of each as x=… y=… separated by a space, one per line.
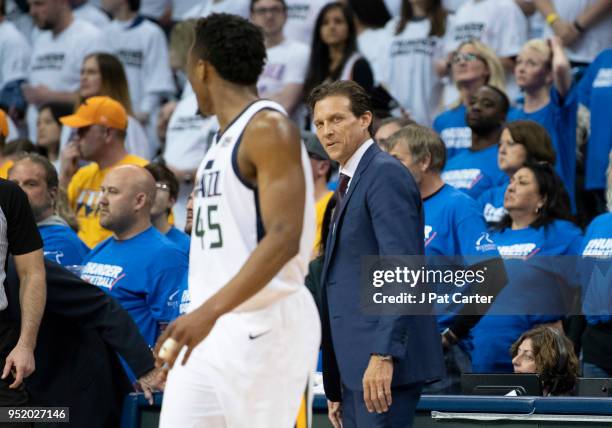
x=98 y=111
x=4 y=130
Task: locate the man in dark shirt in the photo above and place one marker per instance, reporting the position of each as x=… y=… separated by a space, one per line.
x=19 y=236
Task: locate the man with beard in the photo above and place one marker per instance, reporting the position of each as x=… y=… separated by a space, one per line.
x=476 y=170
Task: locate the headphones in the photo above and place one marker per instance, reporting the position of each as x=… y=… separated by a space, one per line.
x=562 y=357
x=562 y=354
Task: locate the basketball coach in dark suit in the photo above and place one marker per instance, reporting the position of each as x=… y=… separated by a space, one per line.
x=374 y=367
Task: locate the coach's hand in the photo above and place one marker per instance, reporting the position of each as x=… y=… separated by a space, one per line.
x=188 y=330
x=334 y=413
x=377 y=384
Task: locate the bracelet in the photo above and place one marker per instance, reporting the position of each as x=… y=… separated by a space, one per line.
x=551 y=18
x=578 y=27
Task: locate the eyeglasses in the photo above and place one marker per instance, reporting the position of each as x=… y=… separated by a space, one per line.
x=467 y=57
x=162 y=186
x=275 y=10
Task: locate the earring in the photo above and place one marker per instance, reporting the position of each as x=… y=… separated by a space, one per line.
x=538 y=209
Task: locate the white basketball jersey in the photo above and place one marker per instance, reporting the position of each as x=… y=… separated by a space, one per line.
x=227 y=224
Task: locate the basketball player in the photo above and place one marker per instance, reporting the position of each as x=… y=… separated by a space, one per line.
x=242 y=354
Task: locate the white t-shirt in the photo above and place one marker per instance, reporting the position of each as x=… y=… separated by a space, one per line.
x=287 y=63
x=14 y=54
x=92 y=14
x=301 y=19
x=189 y=135
x=56 y=61
x=408 y=70
x=500 y=24
x=153 y=8
x=21 y=20
x=206 y=7
x=594 y=40
x=181 y=7
x=188 y=138
x=452 y=5
x=372 y=43
x=141 y=47
x=136 y=141
x=394 y=7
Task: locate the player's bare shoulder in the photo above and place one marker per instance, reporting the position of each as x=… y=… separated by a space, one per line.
x=270 y=136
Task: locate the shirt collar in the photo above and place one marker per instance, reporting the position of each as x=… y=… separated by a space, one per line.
x=351 y=165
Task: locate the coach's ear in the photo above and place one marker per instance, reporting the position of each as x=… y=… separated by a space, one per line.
x=365 y=120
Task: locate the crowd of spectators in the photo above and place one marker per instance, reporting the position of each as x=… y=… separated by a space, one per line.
x=499 y=109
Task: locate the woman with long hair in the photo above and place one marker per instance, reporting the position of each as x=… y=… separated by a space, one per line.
x=334 y=54
x=473 y=65
x=530 y=238
x=49 y=129
x=521 y=142
x=102 y=74
x=549 y=353
x=410 y=69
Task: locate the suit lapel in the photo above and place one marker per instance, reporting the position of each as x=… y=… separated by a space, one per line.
x=330 y=246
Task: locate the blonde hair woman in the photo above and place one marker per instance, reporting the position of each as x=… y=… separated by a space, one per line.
x=473 y=65
x=543 y=73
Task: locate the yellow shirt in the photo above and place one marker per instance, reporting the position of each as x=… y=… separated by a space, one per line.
x=4 y=169
x=320 y=207
x=84 y=194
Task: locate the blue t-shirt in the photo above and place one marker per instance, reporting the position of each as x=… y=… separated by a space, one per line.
x=143 y=274
x=454 y=226
x=597 y=269
x=453 y=130
x=183 y=296
x=492 y=204
x=595 y=92
x=474 y=172
x=558 y=117
x=62 y=245
x=181 y=239
x=535 y=290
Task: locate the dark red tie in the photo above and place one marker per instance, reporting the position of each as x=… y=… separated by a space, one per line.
x=343 y=182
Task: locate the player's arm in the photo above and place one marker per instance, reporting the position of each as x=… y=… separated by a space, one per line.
x=270 y=159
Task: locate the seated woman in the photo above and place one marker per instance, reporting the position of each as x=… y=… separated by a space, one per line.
x=548 y=352
x=530 y=239
x=522 y=141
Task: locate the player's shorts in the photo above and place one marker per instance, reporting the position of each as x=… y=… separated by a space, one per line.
x=251 y=371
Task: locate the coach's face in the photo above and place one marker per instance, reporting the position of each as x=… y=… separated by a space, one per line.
x=338 y=129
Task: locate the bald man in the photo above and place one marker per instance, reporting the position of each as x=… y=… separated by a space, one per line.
x=138 y=265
